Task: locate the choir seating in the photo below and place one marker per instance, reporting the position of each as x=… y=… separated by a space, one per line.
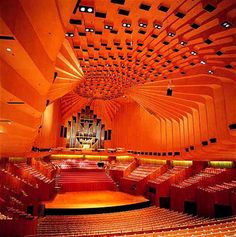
x=73 y=164
x=85 y=181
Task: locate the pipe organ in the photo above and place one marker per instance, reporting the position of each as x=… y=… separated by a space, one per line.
x=85 y=130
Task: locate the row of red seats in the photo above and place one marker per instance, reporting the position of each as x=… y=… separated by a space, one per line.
x=137 y=221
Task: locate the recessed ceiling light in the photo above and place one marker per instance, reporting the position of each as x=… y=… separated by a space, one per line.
x=171 y=34
x=183 y=43
x=82 y=9
x=8 y=49
x=210 y=72
x=90 y=9
x=157 y=26
x=193 y=53
x=226 y=24
x=69 y=34
x=203 y=62
x=141 y=24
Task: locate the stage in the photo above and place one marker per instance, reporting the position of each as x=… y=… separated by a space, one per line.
x=87 y=202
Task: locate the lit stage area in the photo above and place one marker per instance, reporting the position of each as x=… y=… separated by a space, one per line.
x=87 y=202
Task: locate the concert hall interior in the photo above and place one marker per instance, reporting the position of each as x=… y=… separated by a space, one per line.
x=117 y=118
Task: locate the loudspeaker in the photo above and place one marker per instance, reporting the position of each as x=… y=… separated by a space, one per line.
x=109 y=135
x=41 y=209
x=213 y=140
x=100 y=164
x=65 y=132
x=47 y=102
x=191 y=148
x=232 y=126
x=62 y=131
x=55 y=76
x=105 y=135
x=204 y=143
x=169 y=92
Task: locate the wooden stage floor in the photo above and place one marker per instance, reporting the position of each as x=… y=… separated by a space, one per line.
x=93 y=199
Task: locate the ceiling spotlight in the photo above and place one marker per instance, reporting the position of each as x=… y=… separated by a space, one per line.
x=90 y=9
x=89 y=29
x=183 y=43
x=141 y=24
x=82 y=9
x=226 y=24
x=157 y=26
x=86 y=9
x=108 y=27
x=169 y=91
x=69 y=34
x=210 y=72
x=171 y=34
x=203 y=62
x=128 y=25
x=8 y=49
x=193 y=53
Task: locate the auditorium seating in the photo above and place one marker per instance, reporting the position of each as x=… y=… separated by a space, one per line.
x=224 y=227
x=184 y=193
x=135 y=221
x=38 y=179
x=141 y=172
x=158 y=189
x=135 y=182
x=217 y=196
x=120 y=166
x=45 y=168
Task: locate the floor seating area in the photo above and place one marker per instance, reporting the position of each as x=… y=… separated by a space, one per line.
x=136 y=221
x=225 y=227
x=85 y=181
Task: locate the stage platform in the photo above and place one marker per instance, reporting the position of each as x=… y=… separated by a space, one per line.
x=90 y=202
